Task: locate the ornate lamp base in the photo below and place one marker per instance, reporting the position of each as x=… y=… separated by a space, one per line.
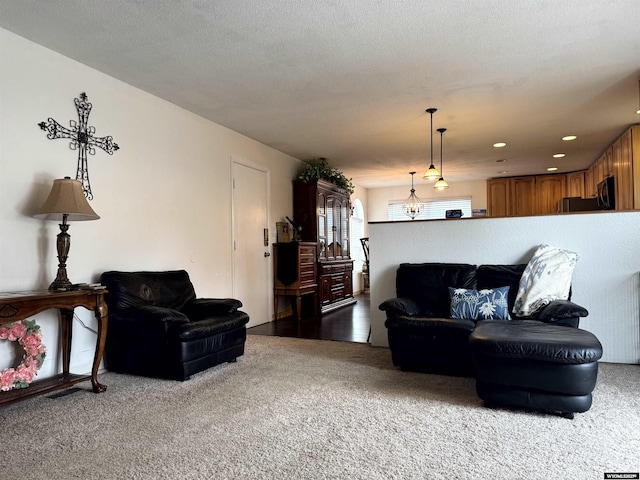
x=63 y=244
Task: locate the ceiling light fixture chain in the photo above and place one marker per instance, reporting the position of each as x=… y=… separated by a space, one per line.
x=432 y=173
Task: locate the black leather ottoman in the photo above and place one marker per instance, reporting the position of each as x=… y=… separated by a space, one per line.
x=530 y=364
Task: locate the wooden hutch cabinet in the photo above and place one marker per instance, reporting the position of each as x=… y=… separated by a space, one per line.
x=323 y=209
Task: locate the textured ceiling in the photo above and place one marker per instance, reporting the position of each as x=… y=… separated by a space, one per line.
x=350 y=80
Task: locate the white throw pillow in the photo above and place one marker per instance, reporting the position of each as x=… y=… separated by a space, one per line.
x=547 y=277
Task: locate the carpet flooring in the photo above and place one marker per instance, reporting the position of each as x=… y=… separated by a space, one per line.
x=309 y=409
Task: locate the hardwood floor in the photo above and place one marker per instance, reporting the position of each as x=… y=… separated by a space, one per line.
x=348 y=324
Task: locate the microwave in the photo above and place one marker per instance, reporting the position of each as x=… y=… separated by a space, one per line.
x=606 y=194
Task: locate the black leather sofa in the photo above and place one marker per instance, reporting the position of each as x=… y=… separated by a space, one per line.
x=158 y=328
x=515 y=361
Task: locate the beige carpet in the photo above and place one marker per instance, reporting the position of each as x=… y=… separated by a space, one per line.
x=308 y=409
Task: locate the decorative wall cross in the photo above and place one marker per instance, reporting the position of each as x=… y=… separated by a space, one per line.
x=82 y=139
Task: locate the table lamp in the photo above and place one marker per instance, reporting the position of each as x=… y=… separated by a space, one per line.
x=66 y=202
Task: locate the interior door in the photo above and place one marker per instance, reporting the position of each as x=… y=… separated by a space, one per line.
x=251 y=246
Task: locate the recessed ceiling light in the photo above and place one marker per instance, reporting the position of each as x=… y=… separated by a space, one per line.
x=638 y=111
x=503 y=171
x=502 y=160
x=569 y=138
x=499 y=144
x=558 y=155
x=552 y=169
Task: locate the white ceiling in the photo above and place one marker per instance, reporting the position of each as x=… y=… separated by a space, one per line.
x=350 y=80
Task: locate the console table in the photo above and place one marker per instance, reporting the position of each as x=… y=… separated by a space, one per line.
x=15 y=306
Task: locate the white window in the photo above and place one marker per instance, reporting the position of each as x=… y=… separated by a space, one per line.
x=433 y=209
x=357 y=232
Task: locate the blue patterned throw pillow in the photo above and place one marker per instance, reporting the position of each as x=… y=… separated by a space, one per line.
x=488 y=304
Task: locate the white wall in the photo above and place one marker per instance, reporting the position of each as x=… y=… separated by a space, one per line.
x=362 y=194
x=378 y=198
x=606 y=280
x=164 y=197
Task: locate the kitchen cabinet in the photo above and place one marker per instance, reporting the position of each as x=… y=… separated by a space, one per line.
x=623 y=159
x=322 y=210
x=498 y=197
x=523 y=196
x=575 y=184
x=511 y=197
x=549 y=191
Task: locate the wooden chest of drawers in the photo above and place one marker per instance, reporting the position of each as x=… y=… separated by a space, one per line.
x=336 y=287
x=295 y=273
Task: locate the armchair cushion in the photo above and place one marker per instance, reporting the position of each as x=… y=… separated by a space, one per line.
x=149 y=314
x=206 y=328
x=170 y=289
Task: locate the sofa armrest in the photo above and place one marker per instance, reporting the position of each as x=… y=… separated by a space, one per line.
x=400 y=306
x=560 y=309
x=562 y=312
x=207 y=307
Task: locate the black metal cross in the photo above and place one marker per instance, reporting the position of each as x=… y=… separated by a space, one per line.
x=82 y=139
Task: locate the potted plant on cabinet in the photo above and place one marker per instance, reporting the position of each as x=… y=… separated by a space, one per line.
x=319 y=168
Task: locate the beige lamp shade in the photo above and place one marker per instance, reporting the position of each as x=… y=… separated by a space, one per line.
x=66 y=198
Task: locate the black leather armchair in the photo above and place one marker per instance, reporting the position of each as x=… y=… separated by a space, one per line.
x=158 y=328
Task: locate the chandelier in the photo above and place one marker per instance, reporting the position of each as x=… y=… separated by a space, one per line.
x=412 y=206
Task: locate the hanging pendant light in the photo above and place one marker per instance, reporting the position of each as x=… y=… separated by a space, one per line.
x=412 y=206
x=441 y=184
x=433 y=172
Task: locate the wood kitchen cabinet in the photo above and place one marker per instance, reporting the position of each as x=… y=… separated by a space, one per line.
x=498 y=197
x=550 y=189
x=622 y=171
x=523 y=196
x=510 y=197
x=323 y=210
x=575 y=184
x=622 y=161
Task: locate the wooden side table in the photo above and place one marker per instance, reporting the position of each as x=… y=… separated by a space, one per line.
x=15 y=306
x=303 y=261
